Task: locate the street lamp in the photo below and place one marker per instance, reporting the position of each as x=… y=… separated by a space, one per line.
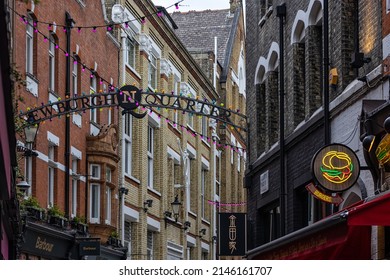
x=30 y=131
x=23 y=186
x=176 y=207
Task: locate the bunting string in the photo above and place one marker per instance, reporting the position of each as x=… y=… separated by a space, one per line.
x=109 y=26
x=112 y=87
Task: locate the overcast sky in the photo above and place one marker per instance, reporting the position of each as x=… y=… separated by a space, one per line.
x=197 y=5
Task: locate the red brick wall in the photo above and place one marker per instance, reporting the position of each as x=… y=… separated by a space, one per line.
x=94 y=47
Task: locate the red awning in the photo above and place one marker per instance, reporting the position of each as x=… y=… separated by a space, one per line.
x=338 y=242
x=373 y=212
x=343 y=236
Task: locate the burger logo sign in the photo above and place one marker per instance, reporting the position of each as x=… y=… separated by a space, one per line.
x=335 y=167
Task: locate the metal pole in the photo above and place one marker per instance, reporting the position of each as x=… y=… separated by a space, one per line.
x=69 y=22
x=326 y=73
x=281 y=14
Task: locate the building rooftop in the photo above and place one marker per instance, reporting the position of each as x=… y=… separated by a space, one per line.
x=197 y=30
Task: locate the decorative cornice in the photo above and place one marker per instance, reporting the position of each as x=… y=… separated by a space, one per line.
x=145 y=43
x=165 y=67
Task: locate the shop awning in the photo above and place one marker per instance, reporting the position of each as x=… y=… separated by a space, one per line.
x=337 y=242
x=372 y=212
x=343 y=236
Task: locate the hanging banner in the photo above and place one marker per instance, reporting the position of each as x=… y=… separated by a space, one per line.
x=232 y=234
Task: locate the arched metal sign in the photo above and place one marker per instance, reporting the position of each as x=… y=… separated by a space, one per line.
x=134 y=101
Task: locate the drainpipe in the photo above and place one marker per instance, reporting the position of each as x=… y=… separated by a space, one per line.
x=69 y=22
x=326 y=73
x=356 y=33
x=120 y=119
x=281 y=14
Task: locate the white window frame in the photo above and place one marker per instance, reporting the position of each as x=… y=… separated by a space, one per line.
x=108 y=175
x=188 y=190
x=205 y=124
x=151 y=133
x=152 y=71
x=203 y=193
x=128 y=143
x=93 y=166
x=52 y=63
x=149 y=244
x=218 y=174
x=130 y=52
x=238 y=161
x=387 y=6
x=109 y=101
x=94 y=191
x=93 y=89
x=190 y=120
x=30 y=45
x=28 y=172
x=75 y=78
x=232 y=153
x=127 y=238
x=51 y=175
x=108 y=205
x=74 y=187
x=176 y=83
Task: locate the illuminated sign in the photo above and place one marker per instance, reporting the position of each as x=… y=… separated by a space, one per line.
x=232 y=234
x=383 y=151
x=337 y=199
x=336 y=167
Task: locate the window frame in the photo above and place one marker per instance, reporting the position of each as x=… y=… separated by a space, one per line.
x=149 y=244
x=75 y=77
x=130 y=52
x=30 y=44
x=152 y=71
x=108 y=205
x=52 y=62
x=93 y=89
x=203 y=192
x=98 y=171
x=51 y=174
x=94 y=190
x=218 y=175
x=74 y=187
x=150 y=153
x=128 y=143
x=127 y=238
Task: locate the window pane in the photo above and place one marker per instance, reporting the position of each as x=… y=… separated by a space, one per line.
x=95 y=201
x=29 y=45
x=130 y=59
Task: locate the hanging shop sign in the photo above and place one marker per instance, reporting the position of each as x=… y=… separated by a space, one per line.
x=89 y=248
x=232 y=234
x=317 y=193
x=335 y=167
x=47 y=245
x=136 y=102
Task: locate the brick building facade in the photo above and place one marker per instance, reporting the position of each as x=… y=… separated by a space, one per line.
x=42 y=49
x=278 y=213
x=215 y=153
x=124 y=171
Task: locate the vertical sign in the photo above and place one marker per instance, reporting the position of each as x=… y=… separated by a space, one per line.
x=232 y=234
